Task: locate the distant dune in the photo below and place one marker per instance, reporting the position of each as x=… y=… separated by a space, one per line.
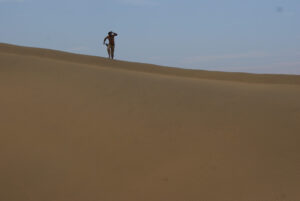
x=84 y=128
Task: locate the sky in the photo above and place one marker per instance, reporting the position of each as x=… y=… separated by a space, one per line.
x=256 y=36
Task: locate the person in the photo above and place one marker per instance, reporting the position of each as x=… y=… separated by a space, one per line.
x=111 y=44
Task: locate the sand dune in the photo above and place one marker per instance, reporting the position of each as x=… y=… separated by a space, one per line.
x=83 y=128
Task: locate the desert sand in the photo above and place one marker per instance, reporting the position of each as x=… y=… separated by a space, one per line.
x=84 y=128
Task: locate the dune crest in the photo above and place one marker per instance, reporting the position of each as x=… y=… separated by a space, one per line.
x=149 y=68
x=77 y=127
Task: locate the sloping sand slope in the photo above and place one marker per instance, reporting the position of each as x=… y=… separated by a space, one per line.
x=82 y=128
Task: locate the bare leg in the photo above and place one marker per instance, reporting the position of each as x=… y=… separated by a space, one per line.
x=108 y=51
x=112 y=51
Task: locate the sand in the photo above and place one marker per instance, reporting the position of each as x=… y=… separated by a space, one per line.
x=82 y=128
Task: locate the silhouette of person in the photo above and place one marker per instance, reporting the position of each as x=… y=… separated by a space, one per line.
x=111 y=44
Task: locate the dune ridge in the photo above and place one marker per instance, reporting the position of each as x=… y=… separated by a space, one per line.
x=76 y=128
x=149 y=68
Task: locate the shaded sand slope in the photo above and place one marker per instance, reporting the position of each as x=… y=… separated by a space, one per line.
x=81 y=128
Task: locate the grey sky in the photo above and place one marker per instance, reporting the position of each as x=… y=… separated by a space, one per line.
x=260 y=36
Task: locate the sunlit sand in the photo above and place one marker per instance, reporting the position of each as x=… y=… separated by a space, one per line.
x=83 y=128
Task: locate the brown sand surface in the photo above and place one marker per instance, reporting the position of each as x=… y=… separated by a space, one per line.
x=83 y=128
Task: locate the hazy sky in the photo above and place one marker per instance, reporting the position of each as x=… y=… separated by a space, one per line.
x=261 y=36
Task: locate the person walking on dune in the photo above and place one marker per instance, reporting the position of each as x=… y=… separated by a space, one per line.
x=111 y=44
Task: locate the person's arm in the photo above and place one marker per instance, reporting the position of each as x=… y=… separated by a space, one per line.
x=115 y=34
x=105 y=39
